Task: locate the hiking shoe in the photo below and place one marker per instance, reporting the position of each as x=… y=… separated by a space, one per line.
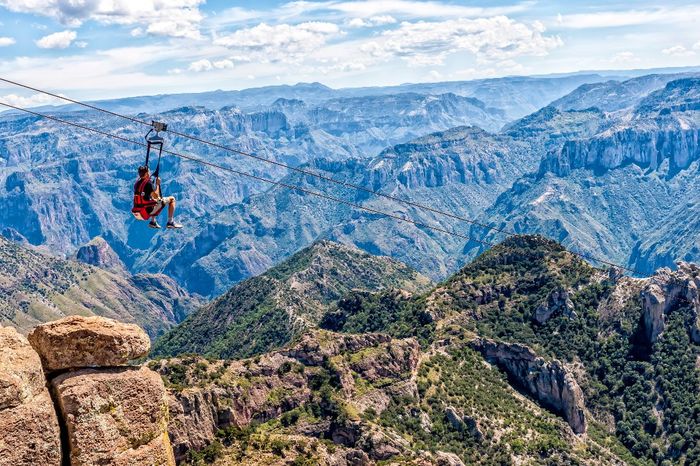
x=153 y=224
x=173 y=225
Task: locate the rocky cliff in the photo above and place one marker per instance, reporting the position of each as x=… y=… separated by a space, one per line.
x=109 y=413
x=550 y=382
x=667 y=291
x=29 y=431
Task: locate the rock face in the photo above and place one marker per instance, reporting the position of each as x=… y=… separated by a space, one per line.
x=100 y=254
x=548 y=381
x=557 y=301
x=78 y=342
x=29 y=432
x=667 y=290
x=257 y=390
x=115 y=416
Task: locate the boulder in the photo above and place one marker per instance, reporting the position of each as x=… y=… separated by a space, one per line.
x=114 y=416
x=81 y=342
x=447 y=459
x=549 y=382
x=29 y=432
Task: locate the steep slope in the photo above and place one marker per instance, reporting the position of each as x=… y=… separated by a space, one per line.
x=365 y=399
x=36 y=288
x=267 y=311
x=630 y=344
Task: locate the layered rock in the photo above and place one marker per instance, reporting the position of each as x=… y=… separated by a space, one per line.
x=115 y=416
x=550 y=382
x=666 y=291
x=29 y=431
x=78 y=342
x=236 y=394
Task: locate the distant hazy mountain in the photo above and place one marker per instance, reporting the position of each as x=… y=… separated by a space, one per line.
x=516 y=96
x=61 y=186
x=602 y=179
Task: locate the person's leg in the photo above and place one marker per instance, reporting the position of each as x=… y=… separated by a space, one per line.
x=171 y=213
x=171 y=209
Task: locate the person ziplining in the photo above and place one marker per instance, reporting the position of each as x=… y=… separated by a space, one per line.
x=149 y=201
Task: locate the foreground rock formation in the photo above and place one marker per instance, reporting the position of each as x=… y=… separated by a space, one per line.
x=114 y=416
x=235 y=394
x=29 y=432
x=77 y=342
x=550 y=382
x=110 y=413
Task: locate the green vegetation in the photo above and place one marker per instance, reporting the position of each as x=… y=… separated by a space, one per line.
x=387 y=312
x=651 y=392
x=265 y=312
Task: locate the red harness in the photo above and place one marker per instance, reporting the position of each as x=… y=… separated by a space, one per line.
x=141 y=205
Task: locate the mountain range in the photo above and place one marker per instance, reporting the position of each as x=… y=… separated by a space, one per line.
x=597 y=169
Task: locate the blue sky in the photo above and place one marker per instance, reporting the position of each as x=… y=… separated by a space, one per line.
x=113 y=48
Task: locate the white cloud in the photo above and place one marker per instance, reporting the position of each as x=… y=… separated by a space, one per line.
x=6 y=41
x=57 y=40
x=175 y=18
x=610 y=19
x=372 y=21
x=30 y=101
x=282 y=42
x=696 y=46
x=678 y=51
x=81 y=44
x=489 y=39
x=206 y=65
x=401 y=8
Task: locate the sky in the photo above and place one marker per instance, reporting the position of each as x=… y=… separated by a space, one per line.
x=97 y=49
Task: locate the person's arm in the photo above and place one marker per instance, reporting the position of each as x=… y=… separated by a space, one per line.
x=156 y=192
x=151 y=192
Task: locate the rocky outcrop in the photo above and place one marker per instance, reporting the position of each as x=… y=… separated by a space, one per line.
x=550 y=382
x=558 y=301
x=219 y=394
x=29 y=431
x=78 y=342
x=100 y=254
x=108 y=415
x=462 y=423
x=114 y=416
x=667 y=290
x=447 y=459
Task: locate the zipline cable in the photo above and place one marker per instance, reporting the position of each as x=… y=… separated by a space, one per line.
x=256 y=177
x=298 y=170
x=271 y=161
